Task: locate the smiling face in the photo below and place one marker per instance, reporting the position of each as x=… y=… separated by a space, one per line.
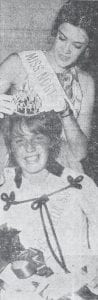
x=30 y=149
x=69 y=43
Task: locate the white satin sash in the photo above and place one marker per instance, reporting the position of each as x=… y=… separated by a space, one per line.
x=44 y=82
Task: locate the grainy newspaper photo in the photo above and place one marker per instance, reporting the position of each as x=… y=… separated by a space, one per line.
x=48 y=150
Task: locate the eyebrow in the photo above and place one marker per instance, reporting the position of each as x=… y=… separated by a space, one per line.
x=17 y=136
x=76 y=42
x=21 y=135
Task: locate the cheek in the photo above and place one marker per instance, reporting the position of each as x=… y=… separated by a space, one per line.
x=77 y=52
x=57 y=45
x=17 y=151
x=44 y=153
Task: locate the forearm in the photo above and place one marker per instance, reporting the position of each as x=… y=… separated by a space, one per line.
x=3 y=156
x=76 y=139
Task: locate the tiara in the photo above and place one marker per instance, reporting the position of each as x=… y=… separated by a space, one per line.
x=26 y=104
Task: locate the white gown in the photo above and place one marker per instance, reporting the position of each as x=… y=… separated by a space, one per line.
x=74 y=213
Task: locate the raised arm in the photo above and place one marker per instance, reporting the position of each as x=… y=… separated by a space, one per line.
x=8 y=72
x=77 y=132
x=85 y=117
x=12 y=74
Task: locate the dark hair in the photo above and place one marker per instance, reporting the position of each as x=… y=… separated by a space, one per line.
x=49 y=124
x=79 y=13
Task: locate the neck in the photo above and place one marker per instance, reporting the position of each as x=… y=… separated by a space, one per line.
x=36 y=178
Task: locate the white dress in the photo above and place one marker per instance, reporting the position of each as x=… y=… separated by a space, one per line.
x=74 y=213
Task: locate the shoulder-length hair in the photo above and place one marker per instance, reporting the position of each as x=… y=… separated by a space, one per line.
x=48 y=124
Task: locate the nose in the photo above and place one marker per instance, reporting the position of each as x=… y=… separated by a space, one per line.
x=68 y=47
x=30 y=147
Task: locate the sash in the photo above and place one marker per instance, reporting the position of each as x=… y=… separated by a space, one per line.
x=70 y=82
x=42 y=86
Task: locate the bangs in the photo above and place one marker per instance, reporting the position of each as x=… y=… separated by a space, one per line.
x=24 y=128
x=47 y=124
x=17 y=129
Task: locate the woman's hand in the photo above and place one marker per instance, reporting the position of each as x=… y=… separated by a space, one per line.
x=7 y=106
x=93 y=286
x=55 y=287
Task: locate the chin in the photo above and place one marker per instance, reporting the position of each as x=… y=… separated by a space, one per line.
x=66 y=65
x=34 y=169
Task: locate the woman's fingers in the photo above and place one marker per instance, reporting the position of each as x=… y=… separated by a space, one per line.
x=6 y=105
x=4 y=97
x=1 y=115
x=4 y=110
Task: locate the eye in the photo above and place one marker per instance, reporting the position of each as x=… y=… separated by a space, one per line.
x=38 y=135
x=39 y=138
x=62 y=37
x=77 y=46
x=19 y=141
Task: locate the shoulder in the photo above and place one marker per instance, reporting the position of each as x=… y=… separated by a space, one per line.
x=12 y=58
x=88 y=189
x=11 y=64
x=11 y=68
x=85 y=179
x=86 y=81
x=69 y=172
x=9 y=174
x=8 y=183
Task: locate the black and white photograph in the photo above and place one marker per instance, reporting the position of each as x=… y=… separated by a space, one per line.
x=48 y=150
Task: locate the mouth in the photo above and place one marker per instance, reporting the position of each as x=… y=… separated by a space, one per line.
x=64 y=57
x=32 y=158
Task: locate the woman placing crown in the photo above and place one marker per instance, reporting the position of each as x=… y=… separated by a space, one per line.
x=42 y=81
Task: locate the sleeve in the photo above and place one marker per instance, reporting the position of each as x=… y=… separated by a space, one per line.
x=89 y=205
x=87 y=198
x=4 y=156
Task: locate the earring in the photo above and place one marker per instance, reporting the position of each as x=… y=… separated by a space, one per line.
x=87 y=51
